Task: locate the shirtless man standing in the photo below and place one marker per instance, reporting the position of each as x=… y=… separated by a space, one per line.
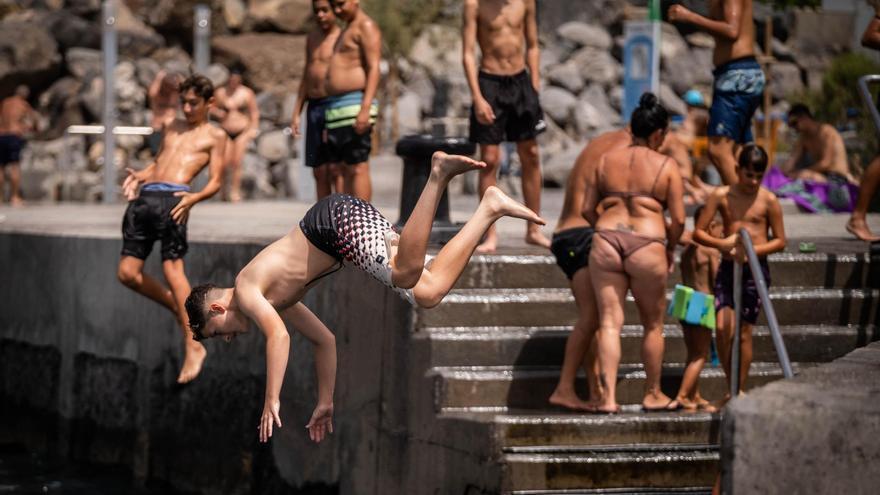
x=319 y=50
x=505 y=94
x=570 y=245
x=337 y=229
x=164 y=97
x=819 y=153
x=739 y=80
x=352 y=80
x=17 y=118
x=161 y=209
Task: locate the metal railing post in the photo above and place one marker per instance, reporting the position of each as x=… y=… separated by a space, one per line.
x=65 y=166
x=108 y=48
x=737 y=329
x=201 y=37
x=758 y=275
x=868 y=99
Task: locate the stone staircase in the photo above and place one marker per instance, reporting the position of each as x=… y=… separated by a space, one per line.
x=494 y=347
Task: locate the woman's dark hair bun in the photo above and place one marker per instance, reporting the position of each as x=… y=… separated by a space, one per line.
x=648 y=100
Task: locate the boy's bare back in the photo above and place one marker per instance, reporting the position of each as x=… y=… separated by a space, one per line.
x=698 y=266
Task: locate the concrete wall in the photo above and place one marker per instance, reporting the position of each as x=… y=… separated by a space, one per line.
x=816 y=433
x=88 y=368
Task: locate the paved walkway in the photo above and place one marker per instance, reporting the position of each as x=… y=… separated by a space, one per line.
x=264 y=221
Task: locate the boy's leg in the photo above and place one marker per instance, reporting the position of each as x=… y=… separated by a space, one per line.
x=180 y=288
x=436 y=281
x=745 y=353
x=722 y=153
x=697 y=340
x=724 y=338
x=131 y=273
x=321 y=173
x=409 y=261
x=867 y=188
x=14 y=170
x=577 y=347
x=531 y=187
x=490 y=154
x=357 y=180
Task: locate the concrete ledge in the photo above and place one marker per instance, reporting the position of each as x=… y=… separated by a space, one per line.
x=817 y=433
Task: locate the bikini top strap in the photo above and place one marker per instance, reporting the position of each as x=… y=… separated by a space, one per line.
x=657 y=178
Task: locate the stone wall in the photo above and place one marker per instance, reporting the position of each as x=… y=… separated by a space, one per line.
x=816 y=433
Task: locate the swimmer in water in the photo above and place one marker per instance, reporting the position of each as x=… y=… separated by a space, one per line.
x=161 y=208
x=342 y=228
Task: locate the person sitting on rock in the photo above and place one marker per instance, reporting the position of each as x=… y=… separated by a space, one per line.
x=819 y=154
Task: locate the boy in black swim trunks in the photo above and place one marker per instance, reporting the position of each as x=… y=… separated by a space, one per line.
x=341 y=228
x=743 y=205
x=505 y=94
x=160 y=210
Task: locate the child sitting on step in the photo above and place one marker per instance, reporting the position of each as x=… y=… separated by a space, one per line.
x=744 y=204
x=698 y=266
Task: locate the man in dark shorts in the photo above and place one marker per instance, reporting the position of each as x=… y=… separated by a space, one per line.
x=312 y=90
x=505 y=94
x=160 y=210
x=341 y=228
x=17 y=118
x=739 y=80
x=571 y=245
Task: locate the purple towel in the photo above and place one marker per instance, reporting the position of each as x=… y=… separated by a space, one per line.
x=814 y=197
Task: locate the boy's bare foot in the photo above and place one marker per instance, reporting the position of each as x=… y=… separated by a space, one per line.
x=536 y=238
x=607 y=408
x=445 y=166
x=192 y=363
x=658 y=401
x=570 y=400
x=687 y=404
x=490 y=244
x=859 y=228
x=501 y=204
x=16 y=201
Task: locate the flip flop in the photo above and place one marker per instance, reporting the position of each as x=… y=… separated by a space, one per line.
x=602 y=412
x=672 y=405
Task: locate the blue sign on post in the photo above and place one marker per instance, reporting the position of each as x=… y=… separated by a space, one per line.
x=641 y=63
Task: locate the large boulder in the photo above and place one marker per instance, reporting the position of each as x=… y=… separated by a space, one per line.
x=218 y=74
x=274 y=146
x=438 y=49
x=784 y=80
x=271 y=61
x=593 y=113
x=130 y=96
x=558 y=103
x=234 y=13
x=28 y=55
x=567 y=75
x=147 y=68
x=289 y=16
x=409 y=114
x=553 y=14
x=70 y=30
x=597 y=66
x=269 y=104
x=670 y=100
x=583 y=34
x=84 y=7
x=83 y=62
x=672 y=44
x=135 y=38
x=61 y=104
x=557 y=166
x=422 y=86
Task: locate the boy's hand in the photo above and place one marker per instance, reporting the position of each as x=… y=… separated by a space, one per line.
x=180 y=213
x=483 y=111
x=270 y=416
x=321 y=422
x=729 y=244
x=131 y=184
x=362 y=121
x=678 y=13
x=294 y=125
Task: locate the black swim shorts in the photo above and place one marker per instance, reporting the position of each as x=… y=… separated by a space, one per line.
x=345 y=145
x=518 y=113
x=751 y=300
x=10 y=149
x=148 y=219
x=571 y=247
x=316 y=148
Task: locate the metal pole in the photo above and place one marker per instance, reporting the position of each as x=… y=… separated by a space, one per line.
x=65 y=166
x=758 y=275
x=108 y=47
x=202 y=37
x=737 y=328
x=869 y=100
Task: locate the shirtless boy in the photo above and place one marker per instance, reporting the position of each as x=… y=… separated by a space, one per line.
x=17 y=118
x=739 y=80
x=819 y=154
x=164 y=97
x=505 y=94
x=744 y=204
x=571 y=246
x=341 y=227
x=698 y=265
x=352 y=79
x=160 y=210
x=312 y=90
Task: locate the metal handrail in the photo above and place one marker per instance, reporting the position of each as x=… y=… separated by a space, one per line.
x=772 y=322
x=868 y=99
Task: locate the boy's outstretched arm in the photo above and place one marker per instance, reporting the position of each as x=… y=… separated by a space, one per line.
x=777 y=226
x=324 y=341
x=255 y=306
x=729 y=27
x=701 y=228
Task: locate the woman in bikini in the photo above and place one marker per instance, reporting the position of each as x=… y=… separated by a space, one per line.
x=634 y=245
x=240 y=118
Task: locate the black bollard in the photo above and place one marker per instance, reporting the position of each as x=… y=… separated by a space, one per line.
x=416 y=151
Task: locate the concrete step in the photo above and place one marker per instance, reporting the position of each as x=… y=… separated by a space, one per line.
x=613 y=466
x=536 y=346
x=498 y=388
x=787 y=269
x=555 y=307
x=628 y=490
x=524 y=427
